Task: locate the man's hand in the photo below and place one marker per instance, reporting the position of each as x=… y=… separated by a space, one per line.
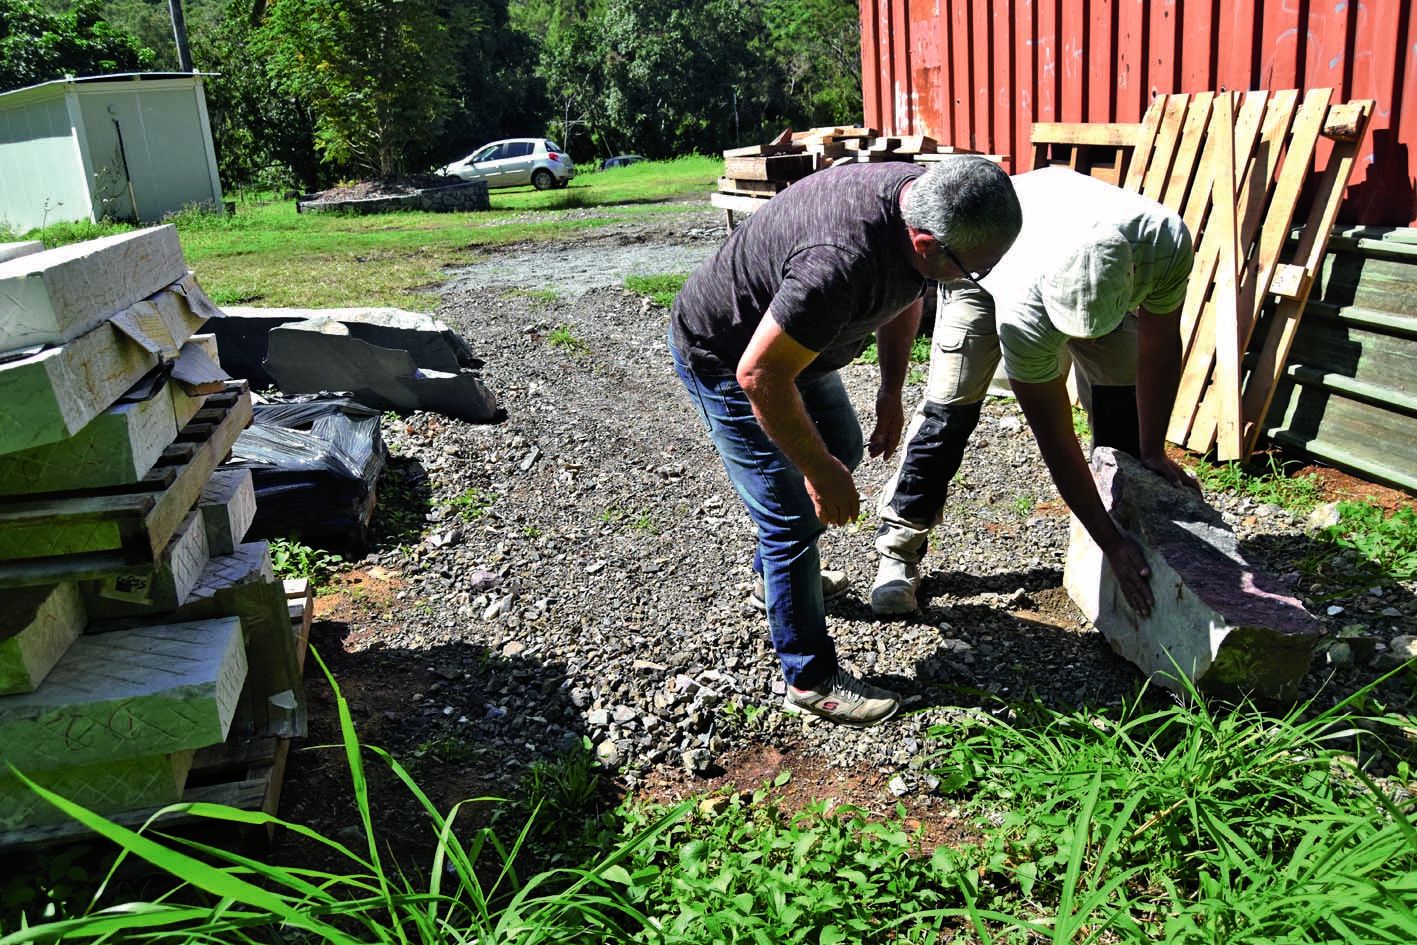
x=834 y=494
x=1168 y=469
x=1129 y=565
x=890 y=420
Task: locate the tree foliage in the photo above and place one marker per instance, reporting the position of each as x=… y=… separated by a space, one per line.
x=37 y=44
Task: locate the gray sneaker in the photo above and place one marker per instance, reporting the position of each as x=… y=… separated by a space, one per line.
x=834 y=584
x=844 y=699
x=893 y=594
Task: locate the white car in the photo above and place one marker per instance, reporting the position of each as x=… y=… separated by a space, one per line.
x=516 y=161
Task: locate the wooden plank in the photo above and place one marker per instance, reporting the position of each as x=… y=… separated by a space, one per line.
x=753 y=188
x=129 y=694
x=1112 y=134
x=1313 y=243
x=786 y=167
x=1146 y=138
x=228 y=506
x=764 y=150
x=156 y=590
x=51 y=297
x=37 y=626
x=736 y=202
x=45 y=541
x=1226 y=380
x=1163 y=150
x=52 y=394
x=1188 y=151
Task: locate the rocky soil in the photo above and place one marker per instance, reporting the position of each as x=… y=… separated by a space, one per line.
x=581 y=571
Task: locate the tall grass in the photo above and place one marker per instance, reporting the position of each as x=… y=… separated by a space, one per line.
x=469 y=892
x=1186 y=824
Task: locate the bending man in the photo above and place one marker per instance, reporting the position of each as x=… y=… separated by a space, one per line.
x=758 y=334
x=1097 y=277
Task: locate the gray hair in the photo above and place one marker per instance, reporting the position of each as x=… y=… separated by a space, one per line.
x=965 y=202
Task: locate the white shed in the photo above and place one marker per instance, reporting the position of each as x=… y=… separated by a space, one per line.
x=129 y=147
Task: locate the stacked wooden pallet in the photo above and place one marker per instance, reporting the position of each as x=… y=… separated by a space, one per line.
x=752 y=175
x=139 y=630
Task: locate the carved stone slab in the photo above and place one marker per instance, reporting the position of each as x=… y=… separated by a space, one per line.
x=161 y=589
x=108 y=787
x=53 y=296
x=118 y=447
x=128 y=694
x=1216 y=620
x=52 y=394
x=37 y=624
x=228 y=506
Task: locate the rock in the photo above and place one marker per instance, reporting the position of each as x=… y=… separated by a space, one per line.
x=1340 y=654
x=715 y=805
x=598 y=718
x=696 y=761
x=1334 y=610
x=1216 y=620
x=607 y=753
x=622 y=714
x=513 y=649
x=898 y=786
x=1403 y=648
x=1325 y=516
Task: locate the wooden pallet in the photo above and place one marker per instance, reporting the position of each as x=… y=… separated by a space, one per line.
x=1099 y=149
x=247 y=774
x=77 y=536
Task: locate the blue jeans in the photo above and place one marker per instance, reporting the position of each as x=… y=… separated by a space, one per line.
x=777 y=500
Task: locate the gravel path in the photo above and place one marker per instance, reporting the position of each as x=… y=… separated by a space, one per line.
x=583 y=568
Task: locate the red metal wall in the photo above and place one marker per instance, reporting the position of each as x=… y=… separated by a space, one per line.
x=978 y=73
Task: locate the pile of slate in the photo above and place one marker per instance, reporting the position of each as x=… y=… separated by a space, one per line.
x=138 y=627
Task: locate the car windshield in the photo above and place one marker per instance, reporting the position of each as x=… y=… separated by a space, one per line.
x=485 y=154
x=551 y=145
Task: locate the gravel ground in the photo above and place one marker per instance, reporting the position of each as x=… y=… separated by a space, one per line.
x=582 y=568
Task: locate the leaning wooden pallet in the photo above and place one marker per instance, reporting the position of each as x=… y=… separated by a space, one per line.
x=1235 y=166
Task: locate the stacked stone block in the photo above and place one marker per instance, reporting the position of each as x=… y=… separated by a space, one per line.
x=137 y=627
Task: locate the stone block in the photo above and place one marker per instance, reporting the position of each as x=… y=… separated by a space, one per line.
x=128 y=694
x=56 y=295
x=1216 y=621
x=109 y=787
x=10 y=251
x=322 y=354
x=160 y=589
x=117 y=447
x=51 y=394
x=37 y=624
x=228 y=506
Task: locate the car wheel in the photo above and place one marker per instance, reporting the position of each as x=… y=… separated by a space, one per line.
x=542 y=179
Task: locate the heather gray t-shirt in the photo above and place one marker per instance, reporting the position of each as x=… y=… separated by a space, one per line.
x=825 y=254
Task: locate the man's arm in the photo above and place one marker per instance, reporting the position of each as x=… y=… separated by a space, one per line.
x=1158 y=374
x=767 y=373
x=1049 y=415
x=893 y=341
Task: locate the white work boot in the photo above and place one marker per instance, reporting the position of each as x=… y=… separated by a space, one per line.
x=893 y=594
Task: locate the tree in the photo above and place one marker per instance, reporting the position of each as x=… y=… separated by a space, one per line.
x=37 y=45
x=816 y=45
x=376 y=74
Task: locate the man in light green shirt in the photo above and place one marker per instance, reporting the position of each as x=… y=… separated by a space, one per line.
x=1097 y=278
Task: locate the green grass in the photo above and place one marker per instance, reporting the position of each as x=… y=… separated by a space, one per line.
x=268 y=254
x=1271 y=484
x=472 y=504
x=563 y=338
x=919 y=352
x=1384 y=545
x=661 y=289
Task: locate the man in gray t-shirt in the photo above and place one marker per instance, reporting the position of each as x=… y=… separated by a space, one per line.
x=757 y=336
x=1089 y=256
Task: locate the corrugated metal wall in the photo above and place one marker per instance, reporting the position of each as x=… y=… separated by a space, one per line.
x=978 y=73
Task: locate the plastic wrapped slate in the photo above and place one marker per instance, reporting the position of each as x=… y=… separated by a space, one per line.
x=315 y=463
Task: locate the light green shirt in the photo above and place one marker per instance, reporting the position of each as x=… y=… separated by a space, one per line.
x=1061 y=210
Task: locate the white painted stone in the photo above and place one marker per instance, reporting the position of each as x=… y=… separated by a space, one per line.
x=118 y=447
x=228 y=507
x=1215 y=619
x=37 y=624
x=109 y=787
x=10 y=251
x=159 y=590
x=55 y=295
x=51 y=395
x=127 y=694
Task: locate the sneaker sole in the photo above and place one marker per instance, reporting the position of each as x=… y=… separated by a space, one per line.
x=792 y=708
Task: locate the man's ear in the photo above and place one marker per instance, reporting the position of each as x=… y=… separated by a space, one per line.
x=922 y=241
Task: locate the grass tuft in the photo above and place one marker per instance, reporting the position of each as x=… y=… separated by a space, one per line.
x=661 y=289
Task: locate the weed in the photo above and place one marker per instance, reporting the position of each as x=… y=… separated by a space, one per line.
x=1081 y=426
x=1023 y=505
x=645 y=524
x=447 y=750
x=1386 y=545
x=561 y=337
x=1297 y=494
x=531 y=531
x=292 y=559
x=472 y=504
x=919 y=352
x=661 y=289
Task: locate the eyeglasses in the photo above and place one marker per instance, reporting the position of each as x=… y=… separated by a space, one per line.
x=971 y=275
